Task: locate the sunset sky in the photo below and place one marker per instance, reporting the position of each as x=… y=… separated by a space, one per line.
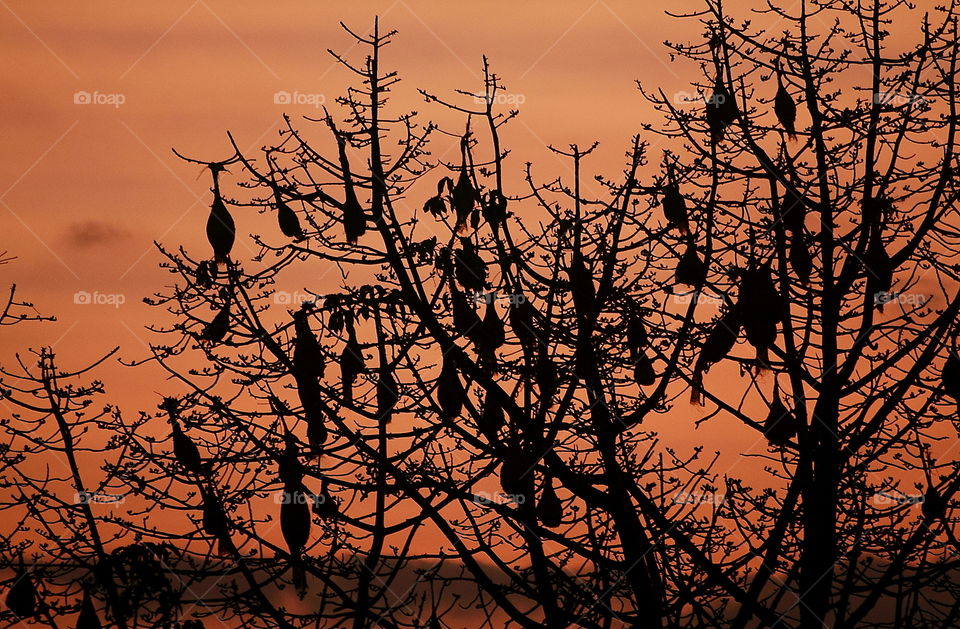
x=88 y=187
x=98 y=94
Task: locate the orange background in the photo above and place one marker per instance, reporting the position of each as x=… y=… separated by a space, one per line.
x=86 y=189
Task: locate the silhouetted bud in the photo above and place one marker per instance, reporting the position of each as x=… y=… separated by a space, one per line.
x=934 y=506
x=450 y=392
x=88 y=618
x=549 y=507
x=308 y=357
x=218 y=327
x=469 y=267
x=781 y=424
x=721 y=110
x=581 y=285
x=22 y=596
x=691 y=270
x=675 y=208
x=287 y=220
x=784 y=107
x=185 y=450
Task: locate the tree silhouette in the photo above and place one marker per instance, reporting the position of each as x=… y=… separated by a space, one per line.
x=454 y=428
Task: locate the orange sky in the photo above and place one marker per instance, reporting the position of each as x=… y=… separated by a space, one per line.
x=86 y=188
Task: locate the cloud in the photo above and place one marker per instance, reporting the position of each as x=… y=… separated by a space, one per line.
x=88 y=234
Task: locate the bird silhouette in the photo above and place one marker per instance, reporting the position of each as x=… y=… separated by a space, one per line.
x=674 y=204
x=934 y=506
x=549 y=506
x=308 y=359
x=221 y=230
x=217 y=329
x=216 y=524
x=721 y=109
x=287 y=219
x=691 y=270
x=351 y=362
x=354 y=218
x=308 y=392
x=878 y=268
x=783 y=105
x=185 y=450
x=581 y=284
x=463 y=195
x=761 y=309
x=720 y=340
x=88 y=618
x=469 y=267
x=491 y=419
x=781 y=424
x=450 y=392
x=22 y=596
x=295 y=527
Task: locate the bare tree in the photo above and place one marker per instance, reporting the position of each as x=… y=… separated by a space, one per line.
x=449 y=427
